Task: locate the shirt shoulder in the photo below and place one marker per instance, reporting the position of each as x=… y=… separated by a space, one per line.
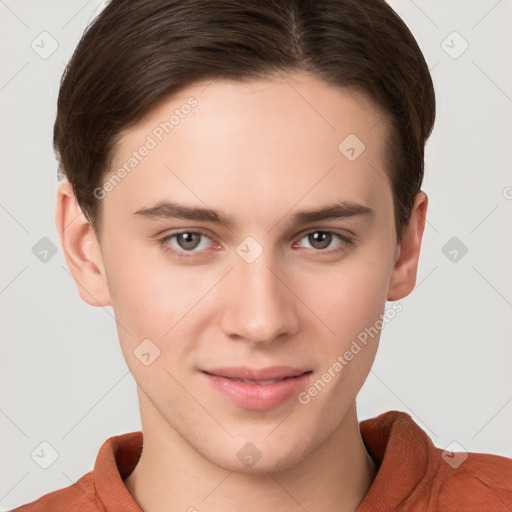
x=414 y=475
x=77 y=497
x=99 y=490
x=481 y=482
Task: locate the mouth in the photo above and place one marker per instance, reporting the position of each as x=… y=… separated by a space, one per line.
x=258 y=389
x=245 y=374
x=261 y=382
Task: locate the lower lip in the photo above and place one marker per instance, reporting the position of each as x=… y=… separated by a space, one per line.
x=258 y=396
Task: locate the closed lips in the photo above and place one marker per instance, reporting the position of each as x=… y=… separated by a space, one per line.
x=261 y=382
x=263 y=376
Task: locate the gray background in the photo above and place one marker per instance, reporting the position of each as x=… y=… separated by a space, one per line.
x=445 y=359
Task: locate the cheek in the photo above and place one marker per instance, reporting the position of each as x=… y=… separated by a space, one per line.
x=154 y=303
x=347 y=296
x=152 y=299
x=352 y=306
x=157 y=299
x=146 y=295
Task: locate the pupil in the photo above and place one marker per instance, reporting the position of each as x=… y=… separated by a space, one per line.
x=188 y=240
x=321 y=236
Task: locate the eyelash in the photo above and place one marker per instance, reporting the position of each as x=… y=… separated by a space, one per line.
x=347 y=242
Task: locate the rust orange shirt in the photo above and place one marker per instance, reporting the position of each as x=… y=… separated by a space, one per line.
x=413 y=475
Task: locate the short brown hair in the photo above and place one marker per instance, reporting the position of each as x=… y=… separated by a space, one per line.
x=137 y=53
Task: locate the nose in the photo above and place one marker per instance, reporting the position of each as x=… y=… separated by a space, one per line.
x=257 y=302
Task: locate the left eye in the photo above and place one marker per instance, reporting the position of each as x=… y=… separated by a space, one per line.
x=321 y=240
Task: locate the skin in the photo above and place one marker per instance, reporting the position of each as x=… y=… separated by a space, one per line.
x=259 y=152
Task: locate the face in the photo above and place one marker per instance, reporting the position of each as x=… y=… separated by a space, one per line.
x=215 y=262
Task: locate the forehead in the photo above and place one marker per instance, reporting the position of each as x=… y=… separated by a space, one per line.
x=288 y=138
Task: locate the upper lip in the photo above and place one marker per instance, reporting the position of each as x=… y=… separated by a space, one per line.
x=269 y=373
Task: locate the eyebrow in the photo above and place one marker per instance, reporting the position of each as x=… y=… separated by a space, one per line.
x=173 y=210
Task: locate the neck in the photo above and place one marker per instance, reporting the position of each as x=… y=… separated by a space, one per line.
x=171 y=475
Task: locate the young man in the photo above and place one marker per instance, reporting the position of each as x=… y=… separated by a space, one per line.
x=243 y=187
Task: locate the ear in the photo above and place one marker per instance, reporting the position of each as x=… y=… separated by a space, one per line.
x=81 y=248
x=403 y=276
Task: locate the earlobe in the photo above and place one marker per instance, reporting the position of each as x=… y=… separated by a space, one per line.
x=81 y=248
x=403 y=276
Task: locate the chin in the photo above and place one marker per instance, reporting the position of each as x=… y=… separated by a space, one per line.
x=249 y=459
